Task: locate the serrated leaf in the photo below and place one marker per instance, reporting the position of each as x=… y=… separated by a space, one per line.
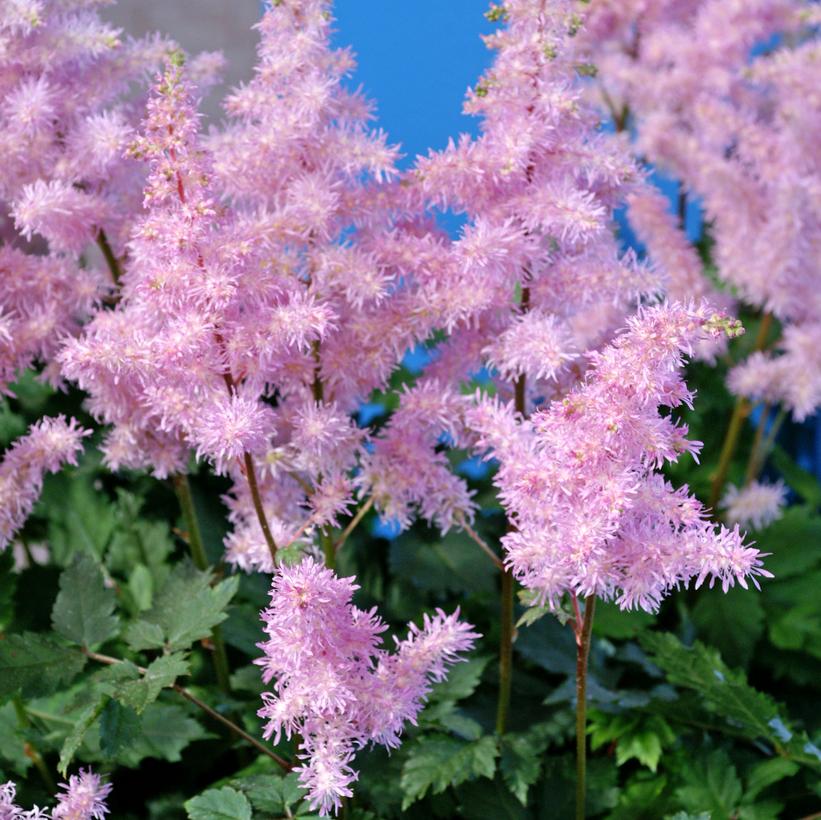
x=36 y=665
x=438 y=761
x=728 y=694
x=165 y=730
x=612 y=622
x=84 y=609
x=119 y=726
x=141 y=587
x=764 y=774
x=162 y=672
x=219 y=804
x=712 y=786
x=461 y=681
x=142 y=635
x=80 y=517
x=82 y=724
x=186 y=609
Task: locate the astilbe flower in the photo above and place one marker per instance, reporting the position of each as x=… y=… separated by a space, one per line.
x=82 y=798
x=67 y=110
x=724 y=95
x=49 y=444
x=579 y=480
x=754 y=505
x=334 y=685
x=536 y=277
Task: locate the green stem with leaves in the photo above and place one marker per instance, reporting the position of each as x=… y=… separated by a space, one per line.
x=182 y=486
x=200 y=704
x=583 y=634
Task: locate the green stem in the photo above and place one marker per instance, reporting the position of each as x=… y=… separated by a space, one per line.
x=182 y=486
x=682 y=207
x=582 y=655
x=200 y=704
x=763 y=444
x=740 y=412
x=354 y=523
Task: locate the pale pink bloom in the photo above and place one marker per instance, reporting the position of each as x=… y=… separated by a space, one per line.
x=754 y=505
x=83 y=798
x=334 y=685
x=49 y=444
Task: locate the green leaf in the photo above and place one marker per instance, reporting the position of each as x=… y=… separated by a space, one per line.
x=142 y=635
x=764 y=774
x=35 y=665
x=80 y=517
x=438 y=761
x=461 y=681
x=162 y=672
x=712 y=786
x=83 y=611
x=82 y=724
x=728 y=694
x=219 y=804
x=119 y=726
x=636 y=736
x=141 y=587
x=732 y=622
x=165 y=730
x=186 y=608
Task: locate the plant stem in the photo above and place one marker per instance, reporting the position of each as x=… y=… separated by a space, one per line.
x=182 y=486
x=506 y=637
x=354 y=523
x=483 y=545
x=251 y=476
x=505 y=653
x=108 y=253
x=582 y=655
x=327 y=544
x=763 y=443
x=740 y=412
x=200 y=704
x=682 y=207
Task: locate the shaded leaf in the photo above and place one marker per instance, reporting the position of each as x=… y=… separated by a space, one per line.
x=119 y=726
x=36 y=665
x=84 y=609
x=162 y=672
x=219 y=804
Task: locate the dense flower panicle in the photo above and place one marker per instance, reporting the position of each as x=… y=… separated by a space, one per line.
x=725 y=95
x=49 y=444
x=754 y=505
x=578 y=480
x=82 y=798
x=333 y=684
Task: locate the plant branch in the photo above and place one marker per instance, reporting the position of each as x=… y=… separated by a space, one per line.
x=29 y=749
x=110 y=258
x=582 y=655
x=353 y=524
x=200 y=704
x=483 y=545
x=251 y=476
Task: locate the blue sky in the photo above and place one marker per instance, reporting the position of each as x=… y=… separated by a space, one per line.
x=416 y=59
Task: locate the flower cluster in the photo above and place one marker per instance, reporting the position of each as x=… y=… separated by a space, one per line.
x=333 y=685
x=579 y=480
x=82 y=798
x=48 y=445
x=724 y=95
